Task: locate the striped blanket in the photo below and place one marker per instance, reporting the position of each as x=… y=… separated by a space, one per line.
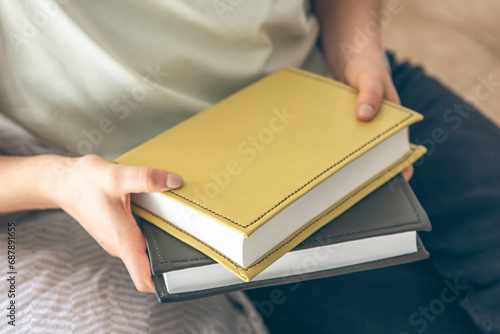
x=62 y=281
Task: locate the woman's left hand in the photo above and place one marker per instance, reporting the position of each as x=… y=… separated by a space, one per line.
x=368 y=72
x=360 y=64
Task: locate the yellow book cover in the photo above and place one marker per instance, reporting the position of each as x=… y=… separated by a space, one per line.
x=268 y=166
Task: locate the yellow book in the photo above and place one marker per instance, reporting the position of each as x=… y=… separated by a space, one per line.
x=270 y=165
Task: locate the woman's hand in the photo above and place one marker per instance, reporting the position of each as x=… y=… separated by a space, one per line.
x=96 y=193
x=363 y=66
x=368 y=72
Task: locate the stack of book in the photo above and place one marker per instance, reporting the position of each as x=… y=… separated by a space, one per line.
x=281 y=183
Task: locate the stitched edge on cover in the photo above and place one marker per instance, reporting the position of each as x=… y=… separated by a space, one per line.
x=315 y=240
x=240 y=268
x=327 y=81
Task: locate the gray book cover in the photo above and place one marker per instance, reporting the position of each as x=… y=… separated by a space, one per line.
x=393 y=208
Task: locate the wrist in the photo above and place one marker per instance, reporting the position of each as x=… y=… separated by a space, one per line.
x=53 y=179
x=343 y=55
x=343 y=68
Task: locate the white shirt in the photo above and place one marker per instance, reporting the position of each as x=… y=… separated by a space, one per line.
x=103 y=76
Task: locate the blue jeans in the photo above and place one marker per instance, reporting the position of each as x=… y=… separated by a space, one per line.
x=458 y=183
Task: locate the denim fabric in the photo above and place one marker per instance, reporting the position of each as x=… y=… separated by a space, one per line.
x=458 y=183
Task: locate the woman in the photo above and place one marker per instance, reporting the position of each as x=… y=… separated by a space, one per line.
x=95 y=79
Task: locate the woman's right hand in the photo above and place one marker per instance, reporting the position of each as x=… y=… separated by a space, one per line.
x=96 y=193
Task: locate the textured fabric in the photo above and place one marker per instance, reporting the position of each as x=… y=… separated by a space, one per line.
x=66 y=283
x=104 y=76
x=458 y=289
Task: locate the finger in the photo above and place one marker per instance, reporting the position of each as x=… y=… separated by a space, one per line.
x=390 y=92
x=134 y=179
x=134 y=256
x=371 y=91
x=408 y=173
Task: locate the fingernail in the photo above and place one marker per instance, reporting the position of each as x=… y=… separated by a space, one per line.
x=174 y=181
x=366 y=111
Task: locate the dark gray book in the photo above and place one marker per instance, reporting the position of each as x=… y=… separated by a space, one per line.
x=378 y=231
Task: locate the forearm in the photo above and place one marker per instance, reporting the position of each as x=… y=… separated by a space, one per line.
x=24 y=180
x=348 y=27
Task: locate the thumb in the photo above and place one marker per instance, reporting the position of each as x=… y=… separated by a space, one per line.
x=135 y=179
x=371 y=92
